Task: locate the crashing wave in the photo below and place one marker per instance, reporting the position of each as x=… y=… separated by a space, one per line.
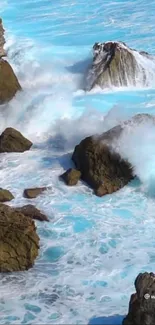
x=115 y=64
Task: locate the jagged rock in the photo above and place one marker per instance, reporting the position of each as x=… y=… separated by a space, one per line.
x=71 y=176
x=5 y=195
x=19 y=242
x=9 y=84
x=12 y=140
x=115 y=64
x=99 y=160
x=2 y=40
x=31 y=193
x=142 y=303
x=32 y=212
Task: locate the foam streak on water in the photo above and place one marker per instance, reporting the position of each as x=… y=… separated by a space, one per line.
x=93 y=247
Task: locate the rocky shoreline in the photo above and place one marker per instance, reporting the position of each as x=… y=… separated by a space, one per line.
x=97 y=162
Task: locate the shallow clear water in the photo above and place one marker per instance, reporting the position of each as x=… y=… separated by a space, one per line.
x=93 y=248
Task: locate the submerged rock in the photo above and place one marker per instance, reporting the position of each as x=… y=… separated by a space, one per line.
x=9 y=84
x=142 y=303
x=5 y=195
x=12 y=140
x=19 y=242
x=99 y=160
x=32 y=212
x=31 y=193
x=2 y=40
x=115 y=64
x=71 y=176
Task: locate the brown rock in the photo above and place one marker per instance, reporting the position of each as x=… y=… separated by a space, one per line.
x=142 y=303
x=9 y=84
x=12 y=140
x=32 y=212
x=71 y=176
x=115 y=64
x=101 y=167
x=5 y=195
x=19 y=242
x=2 y=40
x=31 y=193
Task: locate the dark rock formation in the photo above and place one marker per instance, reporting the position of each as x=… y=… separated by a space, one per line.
x=32 y=212
x=114 y=64
x=31 y=193
x=71 y=176
x=2 y=40
x=19 y=242
x=9 y=84
x=5 y=195
x=12 y=140
x=142 y=303
x=100 y=164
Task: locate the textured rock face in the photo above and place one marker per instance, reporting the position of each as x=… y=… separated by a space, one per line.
x=142 y=303
x=114 y=64
x=9 y=84
x=100 y=165
x=12 y=140
x=19 y=242
x=32 y=212
x=71 y=176
x=5 y=195
x=31 y=193
x=2 y=40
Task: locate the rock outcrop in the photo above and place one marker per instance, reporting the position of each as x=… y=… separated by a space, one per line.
x=142 y=303
x=32 y=193
x=5 y=195
x=12 y=140
x=115 y=64
x=9 y=84
x=19 y=242
x=2 y=40
x=100 y=163
x=71 y=176
x=32 y=212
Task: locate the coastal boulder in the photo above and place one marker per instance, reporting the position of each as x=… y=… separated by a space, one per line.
x=142 y=303
x=5 y=195
x=99 y=158
x=12 y=140
x=9 y=84
x=32 y=212
x=71 y=176
x=32 y=193
x=19 y=242
x=115 y=64
x=102 y=168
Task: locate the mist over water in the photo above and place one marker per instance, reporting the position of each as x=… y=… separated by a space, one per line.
x=93 y=248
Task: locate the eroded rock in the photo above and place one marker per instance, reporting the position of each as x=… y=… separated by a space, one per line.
x=31 y=193
x=19 y=242
x=115 y=64
x=12 y=140
x=9 y=84
x=5 y=195
x=142 y=303
x=71 y=176
x=32 y=212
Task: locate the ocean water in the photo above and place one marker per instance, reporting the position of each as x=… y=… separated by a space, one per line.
x=93 y=248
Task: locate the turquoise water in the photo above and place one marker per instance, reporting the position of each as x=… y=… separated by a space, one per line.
x=93 y=248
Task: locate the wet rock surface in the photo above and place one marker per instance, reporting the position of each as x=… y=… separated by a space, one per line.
x=19 y=242
x=142 y=303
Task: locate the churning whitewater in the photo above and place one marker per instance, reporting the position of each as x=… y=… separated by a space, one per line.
x=93 y=248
